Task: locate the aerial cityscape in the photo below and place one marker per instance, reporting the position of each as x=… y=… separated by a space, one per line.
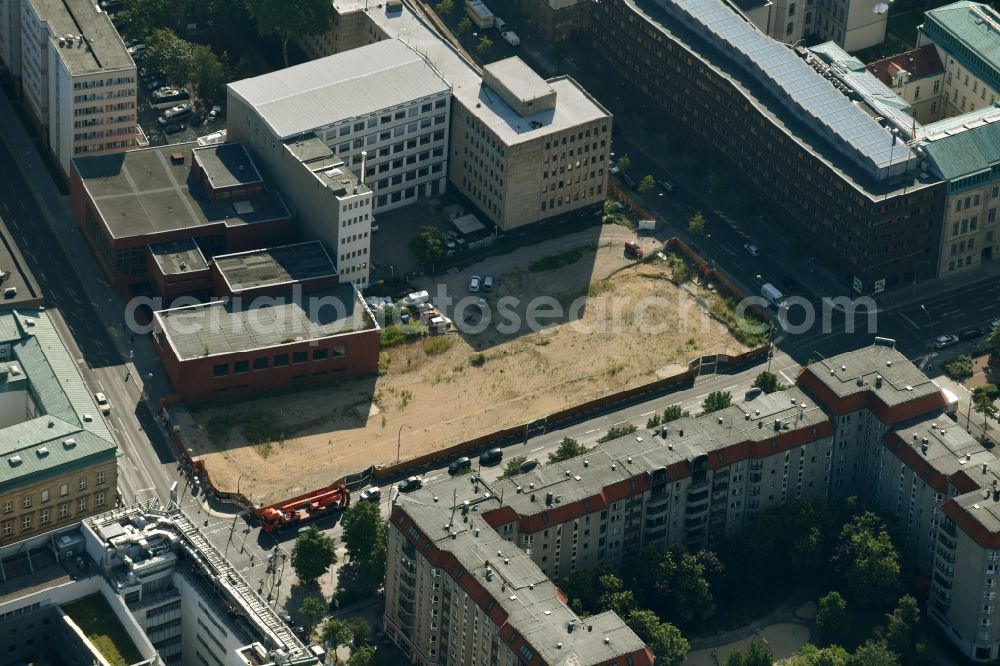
x=499 y=333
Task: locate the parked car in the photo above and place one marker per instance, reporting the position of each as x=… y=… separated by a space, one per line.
x=156 y=84
x=491 y=457
x=751 y=249
x=474 y=283
x=632 y=248
x=488 y=283
x=943 y=341
x=970 y=334
x=173 y=128
x=370 y=494
x=215 y=112
x=102 y=403
x=528 y=465
x=459 y=466
x=410 y=484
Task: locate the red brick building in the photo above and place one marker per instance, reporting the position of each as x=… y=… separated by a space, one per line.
x=135 y=207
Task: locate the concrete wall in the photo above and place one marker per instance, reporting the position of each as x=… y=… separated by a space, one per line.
x=204 y=630
x=14 y=407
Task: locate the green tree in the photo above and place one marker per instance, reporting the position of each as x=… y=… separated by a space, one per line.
x=568 y=448
x=647 y=185
x=696 y=225
x=653 y=421
x=361 y=631
x=993 y=340
x=207 y=74
x=291 y=20
x=141 y=17
x=365 y=541
x=624 y=163
x=445 y=7
x=513 y=467
x=169 y=53
x=663 y=638
x=673 y=412
x=768 y=382
x=313 y=608
x=313 y=553
x=614 y=432
x=716 y=400
x=867 y=561
x=959 y=369
x=874 y=653
x=614 y=596
x=464 y=26
x=756 y=654
x=982 y=401
x=429 y=245
x=337 y=632
x=810 y=655
x=362 y=657
x=671 y=583
x=484 y=46
x=833 y=618
x=902 y=634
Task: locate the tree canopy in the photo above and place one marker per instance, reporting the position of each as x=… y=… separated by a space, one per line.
x=429 y=245
x=647 y=184
x=867 y=560
x=716 y=400
x=513 y=467
x=172 y=55
x=312 y=554
x=338 y=632
x=755 y=654
x=365 y=540
x=568 y=448
x=696 y=225
x=832 y=617
x=313 y=608
x=768 y=382
x=291 y=20
x=663 y=638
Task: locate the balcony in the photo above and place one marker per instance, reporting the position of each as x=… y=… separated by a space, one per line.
x=697 y=497
x=942 y=581
x=406 y=605
x=409 y=581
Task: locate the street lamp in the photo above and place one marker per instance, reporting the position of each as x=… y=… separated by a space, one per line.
x=399 y=434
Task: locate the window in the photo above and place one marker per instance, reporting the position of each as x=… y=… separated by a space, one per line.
x=916 y=93
x=45 y=516
x=83 y=483
x=81 y=504
x=64 y=510
x=241 y=367
x=300 y=357
x=26 y=523
x=99 y=501
x=63 y=490
x=7 y=507
x=220 y=370
x=281 y=360
x=791 y=9
x=8 y=528
x=320 y=354
x=789 y=28
x=260 y=363
x=27 y=502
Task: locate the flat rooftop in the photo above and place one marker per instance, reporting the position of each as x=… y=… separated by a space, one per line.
x=574 y=105
x=177 y=257
x=515 y=582
x=106 y=51
x=227 y=165
x=225 y=327
x=144 y=192
x=901 y=380
x=340 y=87
x=276 y=265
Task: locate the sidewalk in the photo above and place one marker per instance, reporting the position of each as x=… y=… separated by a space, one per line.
x=110 y=305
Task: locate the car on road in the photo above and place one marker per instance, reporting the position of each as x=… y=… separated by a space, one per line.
x=459 y=466
x=488 y=283
x=474 y=283
x=528 y=465
x=943 y=341
x=410 y=484
x=370 y=494
x=491 y=457
x=632 y=249
x=970 y=334
x=751 y=249
x=173 y=128
x=629 y=181
x=102 y=403
x=286 y=618
x=666 y=185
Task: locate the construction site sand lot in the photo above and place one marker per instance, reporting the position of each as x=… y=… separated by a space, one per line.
x=451 y=388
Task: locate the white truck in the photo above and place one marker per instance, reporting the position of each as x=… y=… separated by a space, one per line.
x=479 y=13
x=511 y=37
x=417 y=298
x=773 y=296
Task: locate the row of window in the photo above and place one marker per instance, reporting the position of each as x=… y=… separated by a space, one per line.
x=100 y=83
x=277 y=361
x=44 y=516
x=423 y=140
x=28 y=500
x=387 y=118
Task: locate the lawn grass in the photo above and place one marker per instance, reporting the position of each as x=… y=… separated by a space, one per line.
x=98 y=622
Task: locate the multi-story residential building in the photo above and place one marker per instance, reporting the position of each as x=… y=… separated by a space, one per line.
x=519 y=148
x=76 y=78
x=458 y=592
x=384 y=102
x=162 y=594
x=967 y=38
x=961 y=150
x=832 y=173
x=60 y=458
x=866 y=423
x=917 y=76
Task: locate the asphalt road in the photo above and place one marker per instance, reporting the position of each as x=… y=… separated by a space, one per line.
x=145 y=460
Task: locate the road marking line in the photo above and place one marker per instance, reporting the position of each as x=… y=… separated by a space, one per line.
x=984 y=309
x=144 y=490
x=785 y=377
x=911 y=322
x=730 y=388
x=648 y=413
x=590 y=431
x=620 y=422
x=538 y=449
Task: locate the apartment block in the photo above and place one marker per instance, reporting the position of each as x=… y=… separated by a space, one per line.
x=382 y=109
x=166 y=596
x=824 y=162
x=60 y=458
x=76 y=79
x=960 y=150
x=521 y=148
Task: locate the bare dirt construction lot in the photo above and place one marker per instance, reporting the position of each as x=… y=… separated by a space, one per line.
x=623 y=324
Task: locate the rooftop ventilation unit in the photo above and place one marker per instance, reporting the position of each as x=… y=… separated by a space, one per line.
x=14 y=461
x=42 y=452
x=69 y=443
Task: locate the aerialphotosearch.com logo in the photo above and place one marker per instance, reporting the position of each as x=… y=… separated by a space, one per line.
x=303 y=313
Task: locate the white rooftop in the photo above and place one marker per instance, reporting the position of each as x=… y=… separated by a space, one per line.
x=342 y=86
x=573 y=104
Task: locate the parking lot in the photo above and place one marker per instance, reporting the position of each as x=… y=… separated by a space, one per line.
x=147 y=118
